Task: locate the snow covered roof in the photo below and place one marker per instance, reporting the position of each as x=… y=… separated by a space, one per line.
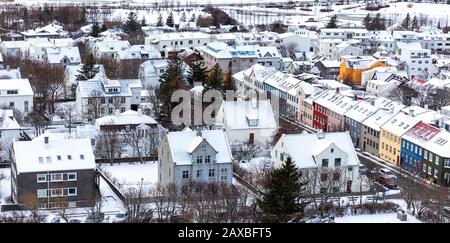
x=180 y=36
x=51 y=29
x=303 y=147
x=56 y=54
x=22 y=86
x=386 y=111
x=336 y=102
x=256 y=72
x=361 y=111
x=71 y=72
x=129 y=117
x=331 y=64
x=359 y=62
x=332 y=84
x=235 y=114
x=286 y=83
x=267 y=51
x=181 y=144
x=36 y=156
x=400 y=124
x=421 y=133
x=7 y=120
x=10 y=74
x=136 y=52
x=409 y=46
x=87 y=87
x=223 y=51
x=107 y=46
x=439 y=144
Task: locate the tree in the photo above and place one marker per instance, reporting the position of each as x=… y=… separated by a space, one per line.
x=367 y=21
x=377 y=23
x=144 y=140
x=160 y=21
x=108 y=143
x=165 y=201
x=83 y=15
x=69 y=113
x=137 y=204
x=183 y=17
x=406 y=21
x=95 y=30
x=332 y=23
x=169 y=20
x=192 y=19
x=439 y=25
x=170 y=81
x=131 y=24
x=95 y=209
x=415 y=24
x=215 y=80
x=404 y=94
x=197 y=73
x=143 y=22
x=103 y=28
x=228 y=82
x=280 y=198
x=89 y=69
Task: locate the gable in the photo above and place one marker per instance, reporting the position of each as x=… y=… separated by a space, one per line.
x=204 y=146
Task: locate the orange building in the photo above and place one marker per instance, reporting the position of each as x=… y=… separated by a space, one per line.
x=352 y=67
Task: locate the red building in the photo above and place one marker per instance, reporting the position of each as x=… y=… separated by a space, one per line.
x=320 y=117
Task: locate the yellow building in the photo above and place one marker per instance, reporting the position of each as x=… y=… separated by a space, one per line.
x=351 y=68
x=390 y=136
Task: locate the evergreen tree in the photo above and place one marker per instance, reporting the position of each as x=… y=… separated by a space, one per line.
x=192 y=19
x=103 y=28
x=405 y=22
x=332 y=23
x=170 y=81
x=169 y=20
x=279 y=200
x=88 y=70
x=228 y=82
x=143 y=22
x=183 y=17
x=377 y=23
x=160 y=21
x=131 y=25
x=414 y=24
x=439 y=25
x=215 y=80
x=95 y=30
x=197 y=73
x=367 y=21
x=83 y=15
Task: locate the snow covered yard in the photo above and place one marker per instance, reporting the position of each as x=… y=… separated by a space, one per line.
x=375 y=218
x=127 y=175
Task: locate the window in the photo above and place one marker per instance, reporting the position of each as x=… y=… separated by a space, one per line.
x=82 y=156
x=199 y=159
x=223 y=170
x=48 y=159
x=122 y=100
x=223 y=178
x=58 y=157
x=350 y=168
x=436 y=173
x=199 y=173
x=429 y=170
x=72 y=191
x=57 y=177
x=337 y=162
x=102 y=100
x=185 y=174
x=122 y=109
x=42 y=193
x=41 y=160
x=323 y=190
x=424 y=168
x=89 y=101
x=25 y=106
x=447 y=162
x=110 y=110
x=207 y=159
x=41 y=178
x=324 y=162
x=110 y=100
x=56 y=192
x=332 y=150
x=436 y=159
x=323 y=176
x=72 y=176
x=211 y=173
x=69 y=157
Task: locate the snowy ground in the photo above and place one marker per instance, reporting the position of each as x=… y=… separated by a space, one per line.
x=5 y=184
x=375 y=218
x=131 y=174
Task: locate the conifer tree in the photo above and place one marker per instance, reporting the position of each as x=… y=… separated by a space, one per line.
x=183 y=17
x=95 y=30
x=169 y=20
x=103 y=28
x=88 y=70
x=131 y=24
x=279 y=201
x=414 y=24
x=406 y=21
x=215 y=80
x=228 y=82
x=197 y=73
x=170 y=81
x=367 y=21
x=332 y=23
x=160 y=21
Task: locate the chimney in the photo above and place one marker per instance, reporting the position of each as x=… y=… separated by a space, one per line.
x=199 y=131
x=337 y=90
x=45 y=140
x=411 y=112
x=8 y=67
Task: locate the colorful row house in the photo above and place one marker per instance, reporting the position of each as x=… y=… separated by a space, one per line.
x=329 y=110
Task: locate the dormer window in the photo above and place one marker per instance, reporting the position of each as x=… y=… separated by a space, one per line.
x=58 y=157
x=81 y=156
x=41 y=160
x=69 y=157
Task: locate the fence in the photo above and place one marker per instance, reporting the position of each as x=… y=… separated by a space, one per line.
x=127 y=160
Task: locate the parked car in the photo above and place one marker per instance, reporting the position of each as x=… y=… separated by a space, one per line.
x=51 y=218
x=74 y=124
x=95 y=218
x=118 y=217
x=74 y=221
x=363 y=169
x=387 y=178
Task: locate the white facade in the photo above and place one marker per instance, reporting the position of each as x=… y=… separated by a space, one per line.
x=9 y=132
x=177 y=41
x=16 y=93
x=418 y=60
x=150 y=72
x=326 y=46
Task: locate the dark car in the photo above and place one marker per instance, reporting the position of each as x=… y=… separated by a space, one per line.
x=387 y=178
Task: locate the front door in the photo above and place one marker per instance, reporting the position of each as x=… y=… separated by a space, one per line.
x=349 y=186
x=251 y=137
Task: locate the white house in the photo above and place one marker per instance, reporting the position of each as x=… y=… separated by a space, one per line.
x=256 y=38
x=109 y=48
x=199 y=156
x=382 y=40
x=136 y=52
x=326 y=159
x=247 y=121
x=299 y=43
x=419 y=60
x=345 y=49
x=344 y=34
x=325 y=46
x=9 y=132
x=16 y=93
x=98 y=98
x=63 y=55
x=150 y=71
x=14 y=48
x=38 y=47
x=48 y=31
x=177 y=41
x=381 y=88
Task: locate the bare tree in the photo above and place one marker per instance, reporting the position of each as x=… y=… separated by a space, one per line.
x=95 y=208
x=410 y=188
x=165 y=199
x=108 y=143
x=31 y=203
x=404 y=94
x=94 y=106
x=69 y=113
x=136 y=203
x=244 y=150
x=143 y=139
